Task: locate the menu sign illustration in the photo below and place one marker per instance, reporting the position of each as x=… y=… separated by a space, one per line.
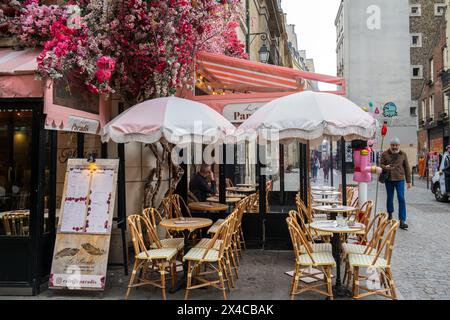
x=80 y=256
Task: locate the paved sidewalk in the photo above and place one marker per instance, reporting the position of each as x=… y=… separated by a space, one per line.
x=420 y=262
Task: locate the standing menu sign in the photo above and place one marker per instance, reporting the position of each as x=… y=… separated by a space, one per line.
x=80 y=256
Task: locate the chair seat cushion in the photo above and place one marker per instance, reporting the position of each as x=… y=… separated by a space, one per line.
x=356 y=248
x=365 y=260
x=216 y=226
x=320 y=259
x=318 y=247
x=196 y=254
x=177 y=243
x=164 y=253
x=205 y=243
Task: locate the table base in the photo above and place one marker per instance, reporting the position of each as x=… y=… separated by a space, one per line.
x=341 y=291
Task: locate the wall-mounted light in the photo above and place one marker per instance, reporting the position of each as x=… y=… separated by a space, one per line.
x=264 y=54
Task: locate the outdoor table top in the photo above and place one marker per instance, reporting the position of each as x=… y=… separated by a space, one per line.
x=326 y=193
x=241 y=189
x=332 y=226
x=235 y=195
x=207 y=206
x=227 y=199
x=327 y=201
x=248 y=185
x=337 y=209
x=323 y=188
x=190 y=224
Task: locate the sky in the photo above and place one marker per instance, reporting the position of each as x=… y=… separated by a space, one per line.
x=314 y=25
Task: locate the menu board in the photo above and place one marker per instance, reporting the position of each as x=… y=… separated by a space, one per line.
x=82 y=242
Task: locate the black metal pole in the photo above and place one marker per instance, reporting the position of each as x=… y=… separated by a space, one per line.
x=331 y=163
x=344 y=173
x=121 y=201
x=262 y=198
x=80 y=145
x=222 y=175
x=281 y=173
x=104 y=151
x=53 y=135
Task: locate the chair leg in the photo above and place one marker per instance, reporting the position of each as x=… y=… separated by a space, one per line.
x=162 y=271
x=329 y=285
x=242 y=238
x=391 y=284
x=355 y=282
x=136 y=266
x=234 y=265
x=189 y=280
x=174 y=272
x=295 y=281
x=222 y=282
x=227 y=265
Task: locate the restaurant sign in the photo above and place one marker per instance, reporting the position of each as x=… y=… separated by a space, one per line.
x=77 y=124
x=239 y=112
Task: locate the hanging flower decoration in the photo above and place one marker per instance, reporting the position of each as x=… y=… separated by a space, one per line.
x=140 y=49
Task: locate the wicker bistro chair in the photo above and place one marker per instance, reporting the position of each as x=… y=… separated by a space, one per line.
x=211 y=256
x=363 y=215
x=252 y=203
x=173 y=207
x=162 y=258
x=151 y=214
x=322 y=260
x=227 y=237
x=377 y=227
x=312 y=233
x=299 y=222
x=239 y=234
x=16 y=224
x=381 y=262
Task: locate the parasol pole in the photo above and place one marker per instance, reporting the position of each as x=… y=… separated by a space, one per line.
x=383 y=135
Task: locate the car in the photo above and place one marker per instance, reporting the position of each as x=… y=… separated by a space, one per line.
x=438 y=185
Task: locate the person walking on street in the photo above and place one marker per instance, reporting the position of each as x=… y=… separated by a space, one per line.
x=446 y=169
x=395 y=162
x=326 y=168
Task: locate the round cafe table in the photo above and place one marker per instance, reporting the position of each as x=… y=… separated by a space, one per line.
x=326 y=201
x=185 y=225
x=227 y=199
x=331 y=226
x=323 y=188
x=326 y=194
x=207 y=206
x=248 y=185
x=242 y=189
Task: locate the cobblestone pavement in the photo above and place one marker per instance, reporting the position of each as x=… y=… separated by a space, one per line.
x=420 y=262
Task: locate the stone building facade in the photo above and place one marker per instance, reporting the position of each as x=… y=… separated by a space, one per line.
x=428 y=50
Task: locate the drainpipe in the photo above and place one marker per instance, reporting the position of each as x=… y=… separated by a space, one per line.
x=247 y=20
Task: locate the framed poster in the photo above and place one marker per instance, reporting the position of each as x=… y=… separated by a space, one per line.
x=80 y=257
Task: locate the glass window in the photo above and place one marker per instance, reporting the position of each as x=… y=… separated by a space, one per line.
x=15 y=171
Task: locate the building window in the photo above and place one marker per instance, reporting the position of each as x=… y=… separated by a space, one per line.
x=423 y=110
x=446 y=103
x=416 y=40
x=417 y=72
x=415 y=10
x=445 y=57
x=431 y=108
x=432 y=70
x=439 y=9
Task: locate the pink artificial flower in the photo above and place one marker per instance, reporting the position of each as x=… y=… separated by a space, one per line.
x=106 y=63
x=102 y=75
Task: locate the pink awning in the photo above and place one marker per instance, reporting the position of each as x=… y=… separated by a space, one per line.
x=242 y=75
x=17 y=70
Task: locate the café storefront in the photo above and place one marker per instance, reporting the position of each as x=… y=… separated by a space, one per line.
x=41 y=126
